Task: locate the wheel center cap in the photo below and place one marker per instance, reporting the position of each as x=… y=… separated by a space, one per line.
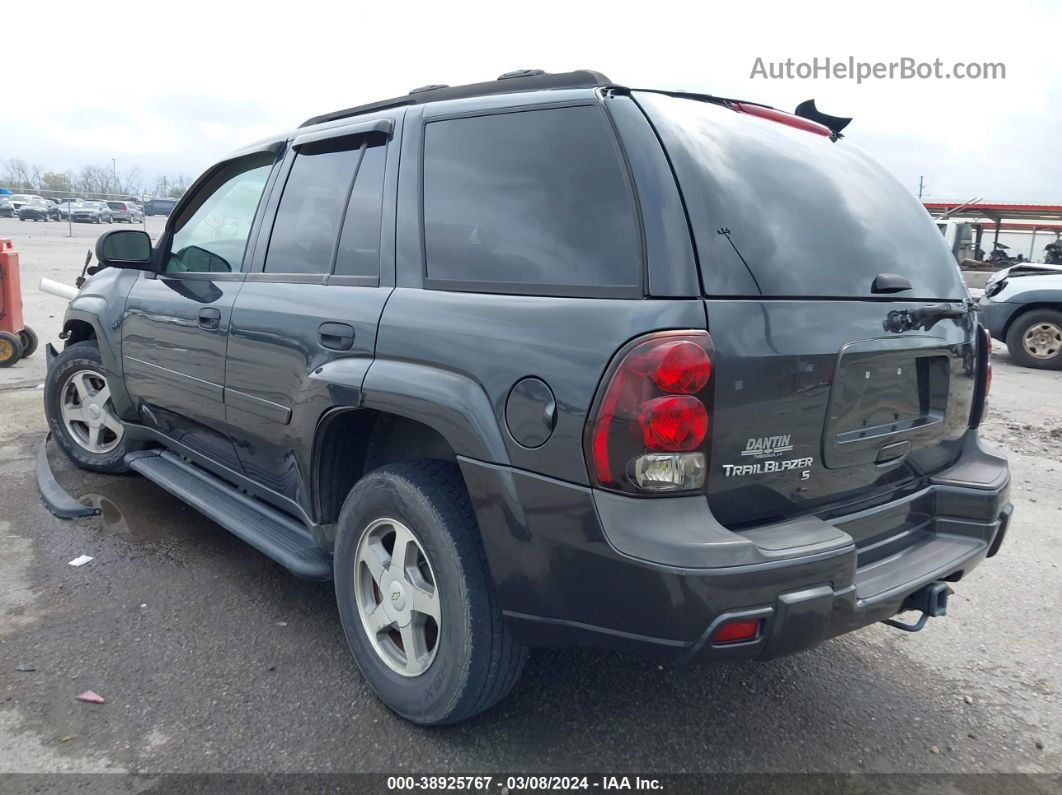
x=94 y=411
x=397 y=595
x=396 y=601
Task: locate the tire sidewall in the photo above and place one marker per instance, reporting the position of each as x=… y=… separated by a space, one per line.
x=16 y=348
x=437 y=693
x=28 y=338
x=82 y=356
x=1016 y=333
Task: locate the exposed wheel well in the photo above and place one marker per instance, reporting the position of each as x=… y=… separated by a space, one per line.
x=78 y=331
x=352 y=442
x=1026 y=310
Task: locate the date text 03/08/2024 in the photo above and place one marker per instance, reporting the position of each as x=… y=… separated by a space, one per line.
x=506 y=784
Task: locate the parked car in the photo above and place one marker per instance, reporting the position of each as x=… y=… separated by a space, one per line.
x=125 y=212
x=1022 y=307
x=92 y=212
x=18 y=199
x=54 y=213
x=548 y=378
x=65 y=205
x=7 y=209
x=36 y=209
x=159 y=206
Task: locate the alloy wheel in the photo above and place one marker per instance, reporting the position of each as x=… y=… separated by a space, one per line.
x=88 y=414
x=397 y=598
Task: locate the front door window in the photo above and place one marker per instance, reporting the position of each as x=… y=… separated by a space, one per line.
x=212 y=232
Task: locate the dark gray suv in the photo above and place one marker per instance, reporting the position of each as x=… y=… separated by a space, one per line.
x=548 y=361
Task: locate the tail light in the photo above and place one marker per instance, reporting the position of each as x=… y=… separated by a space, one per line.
x=648 y=430
x=984 y=377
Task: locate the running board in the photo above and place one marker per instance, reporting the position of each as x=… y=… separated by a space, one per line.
x=280 y=537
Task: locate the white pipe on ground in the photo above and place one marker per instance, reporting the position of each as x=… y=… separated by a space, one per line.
x=52 y=287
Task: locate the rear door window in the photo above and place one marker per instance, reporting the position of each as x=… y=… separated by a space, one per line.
x=782 y=212
x=359 y=243
x=532 y=201
x=312 y=207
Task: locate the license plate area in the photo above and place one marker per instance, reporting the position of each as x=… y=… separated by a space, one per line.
x=882 y=395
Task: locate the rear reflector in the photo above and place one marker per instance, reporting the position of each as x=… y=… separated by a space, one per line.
x=736 y=631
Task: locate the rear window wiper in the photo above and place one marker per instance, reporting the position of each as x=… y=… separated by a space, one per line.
x=925 y=317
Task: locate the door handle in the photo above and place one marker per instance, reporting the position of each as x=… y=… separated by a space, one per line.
x=209 y=318
x=336 y=336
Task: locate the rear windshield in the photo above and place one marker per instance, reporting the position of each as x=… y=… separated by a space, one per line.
x=780 y=212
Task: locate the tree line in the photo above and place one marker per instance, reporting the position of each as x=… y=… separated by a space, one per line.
x=88 y=182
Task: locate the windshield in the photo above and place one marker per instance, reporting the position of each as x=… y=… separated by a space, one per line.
x=781 y=212
x=19 y=197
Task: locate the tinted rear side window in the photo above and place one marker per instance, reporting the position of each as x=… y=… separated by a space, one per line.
x=359 y=246
x=803 y=216
x=311 y=209
x=536 y=198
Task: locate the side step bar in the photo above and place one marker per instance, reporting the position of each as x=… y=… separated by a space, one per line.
x=280 y=537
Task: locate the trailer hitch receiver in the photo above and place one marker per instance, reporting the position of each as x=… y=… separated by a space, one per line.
x=931 y=601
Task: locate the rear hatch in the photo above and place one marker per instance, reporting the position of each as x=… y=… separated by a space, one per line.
x=818 y=408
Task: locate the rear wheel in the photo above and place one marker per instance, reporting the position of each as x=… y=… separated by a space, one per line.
x=80 y=412
x=10 y=349
x=28 y=338
x=415 y=597
x=1035 y=339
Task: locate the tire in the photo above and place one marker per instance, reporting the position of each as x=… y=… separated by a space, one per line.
x=474 y=662
x=1035 y=339
x=28 y=338
x=82 y=362
x=10 y=348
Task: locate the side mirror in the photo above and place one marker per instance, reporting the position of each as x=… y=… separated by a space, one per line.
x=124 y=248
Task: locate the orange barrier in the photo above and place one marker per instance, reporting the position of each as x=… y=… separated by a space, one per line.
x=10 y=289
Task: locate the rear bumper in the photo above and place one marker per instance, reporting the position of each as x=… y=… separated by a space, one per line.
x=575 y=566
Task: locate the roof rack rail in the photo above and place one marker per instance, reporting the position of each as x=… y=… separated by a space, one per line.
x=521 y=73
x=429 y=87
x=521 y=80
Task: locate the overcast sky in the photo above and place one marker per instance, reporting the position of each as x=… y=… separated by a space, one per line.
x=169 y=87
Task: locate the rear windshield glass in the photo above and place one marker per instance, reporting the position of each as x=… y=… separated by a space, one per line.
x=779 y=212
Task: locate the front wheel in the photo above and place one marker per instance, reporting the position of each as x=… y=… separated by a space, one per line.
x=415 y=597
x=80 y=412
x=1035 y=339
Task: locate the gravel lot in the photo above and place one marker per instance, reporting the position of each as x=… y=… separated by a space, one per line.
x=211 y=658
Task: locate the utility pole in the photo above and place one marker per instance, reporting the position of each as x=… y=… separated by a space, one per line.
x=117 y=188
x=921 y=186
